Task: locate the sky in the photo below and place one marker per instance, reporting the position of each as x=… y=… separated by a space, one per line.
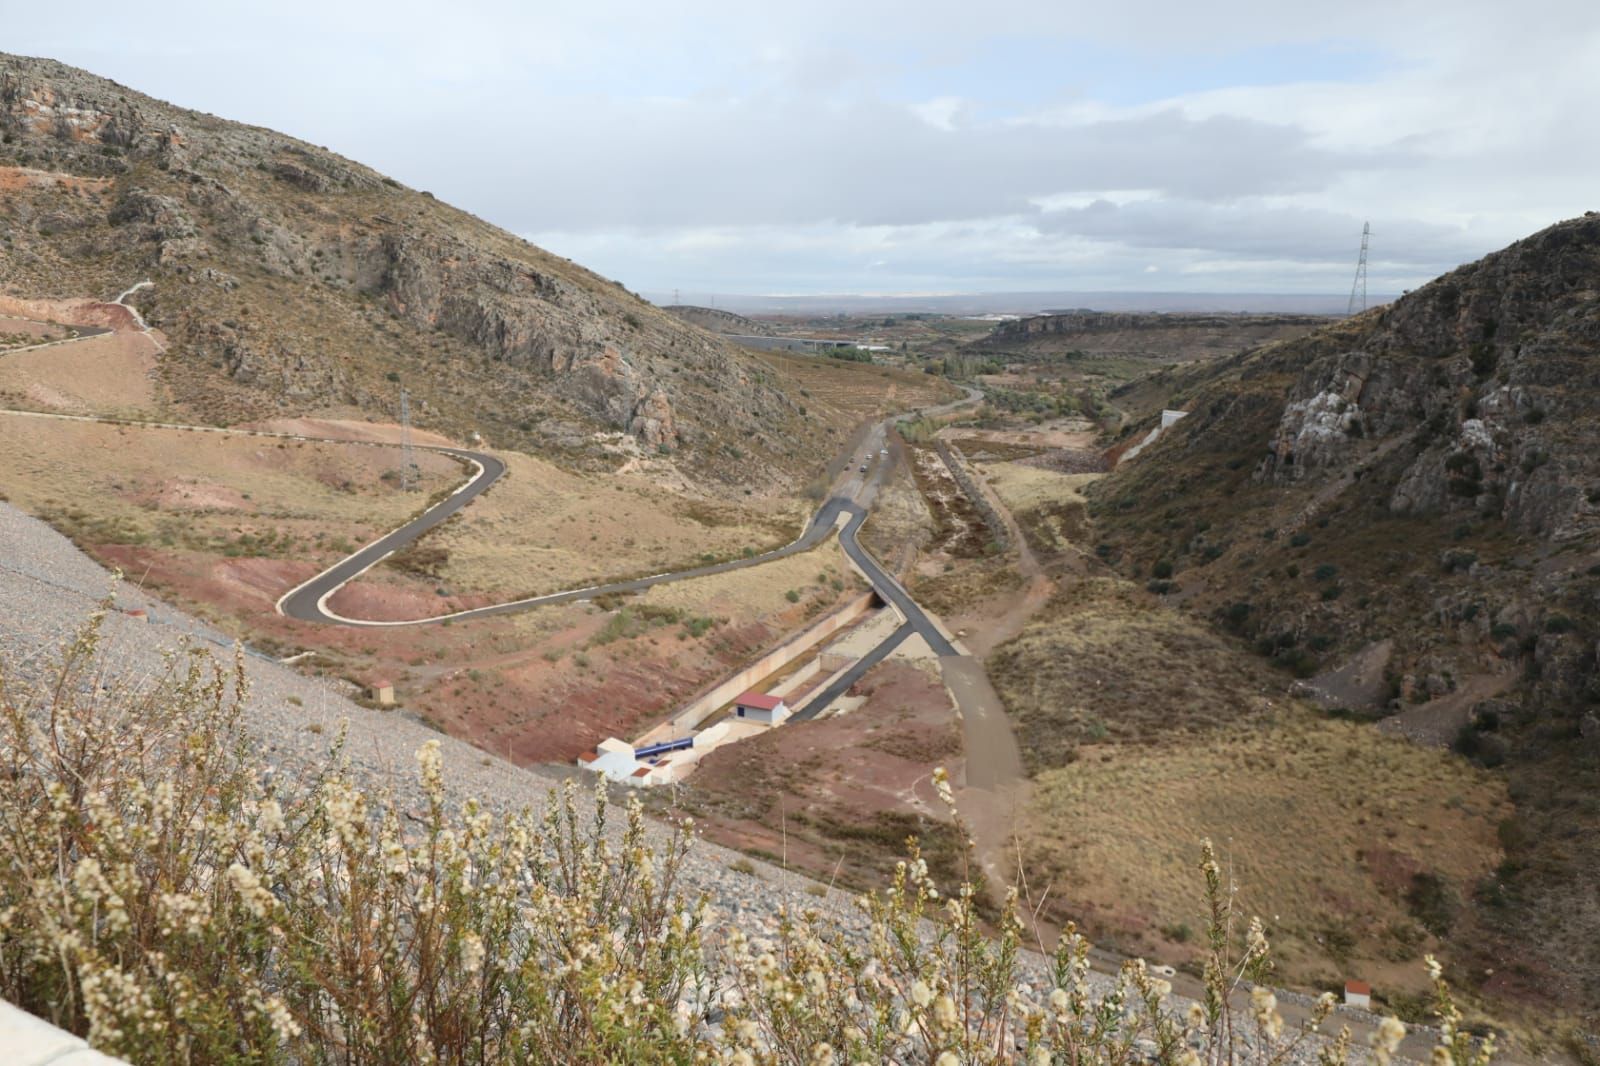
x=725 y=146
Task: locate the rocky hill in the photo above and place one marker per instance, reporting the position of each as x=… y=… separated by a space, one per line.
x=718 y=321
x=1175 y=336
x=289 y=280
x=1403 y=511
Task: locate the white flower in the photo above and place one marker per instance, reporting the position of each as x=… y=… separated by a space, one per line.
x=431 y=764
x=921 y=994
x=271 y=820
x=1386 y=1038
x=248 y=885
x=472 y=952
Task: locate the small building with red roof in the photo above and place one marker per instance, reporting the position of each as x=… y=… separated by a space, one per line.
x=762 y=708
x=1358 y=994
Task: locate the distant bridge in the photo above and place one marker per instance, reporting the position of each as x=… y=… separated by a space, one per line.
x=788 y=344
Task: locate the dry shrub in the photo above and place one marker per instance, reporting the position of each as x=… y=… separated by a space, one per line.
x=164 y=896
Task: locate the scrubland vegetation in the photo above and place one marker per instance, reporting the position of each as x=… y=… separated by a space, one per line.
x=165 y=895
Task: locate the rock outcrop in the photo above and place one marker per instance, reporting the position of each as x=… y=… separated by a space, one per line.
x=1424 y=477
x=1178 y=335
x=339 y=283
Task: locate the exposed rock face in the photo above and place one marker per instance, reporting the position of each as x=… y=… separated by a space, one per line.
x=1425 y=476
x=1485 y=371
x=1166 y=336
x=1121 y=321
x=719 y=321
x=349 y=281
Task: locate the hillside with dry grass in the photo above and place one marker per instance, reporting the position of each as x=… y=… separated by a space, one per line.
x=1400 y=514
x=288 y=280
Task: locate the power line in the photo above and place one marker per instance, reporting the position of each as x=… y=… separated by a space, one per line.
x=1358 y=290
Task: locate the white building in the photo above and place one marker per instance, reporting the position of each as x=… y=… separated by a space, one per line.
x=759 y=707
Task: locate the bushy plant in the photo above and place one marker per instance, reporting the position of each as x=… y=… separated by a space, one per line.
x=165 y=895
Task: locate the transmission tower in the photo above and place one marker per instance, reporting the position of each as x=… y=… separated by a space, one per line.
x=1358 y=290
x=675 y=300
x=410 y=473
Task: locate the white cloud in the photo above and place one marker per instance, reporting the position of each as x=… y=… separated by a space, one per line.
x=936 y=144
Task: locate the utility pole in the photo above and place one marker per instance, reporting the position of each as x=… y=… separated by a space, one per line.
x=1358 y=290
x=410 y=473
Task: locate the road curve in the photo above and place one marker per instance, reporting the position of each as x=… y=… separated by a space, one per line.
x=308 y=602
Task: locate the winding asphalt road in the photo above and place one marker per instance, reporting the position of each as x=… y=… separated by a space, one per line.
x=309 y=601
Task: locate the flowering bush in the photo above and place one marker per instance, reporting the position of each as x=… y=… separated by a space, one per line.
x=163 y=895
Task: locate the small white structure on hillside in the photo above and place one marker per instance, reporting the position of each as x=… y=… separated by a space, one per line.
x=1168 y=420
x=1358 y=994
x=614 y=758
x=759 y=707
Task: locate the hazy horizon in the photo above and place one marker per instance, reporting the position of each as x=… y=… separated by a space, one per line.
x=1015 y=146
x=1020 y=303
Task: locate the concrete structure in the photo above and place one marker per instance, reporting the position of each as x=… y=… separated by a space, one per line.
x=1168 y=420
x=671 y=750
x=617 y=760
x=614 y=758
x=760 y=707
x=687 y=720
x=1358 y=994
x=789 y=344
x=29 y=1041
x=382 y=690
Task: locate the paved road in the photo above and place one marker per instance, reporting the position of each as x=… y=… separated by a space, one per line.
x=824 y=699
x=309 y=601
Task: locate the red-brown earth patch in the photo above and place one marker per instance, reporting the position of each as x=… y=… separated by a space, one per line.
x=836 y=798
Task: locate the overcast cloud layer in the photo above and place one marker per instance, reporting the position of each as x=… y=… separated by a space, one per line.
x=722 y=147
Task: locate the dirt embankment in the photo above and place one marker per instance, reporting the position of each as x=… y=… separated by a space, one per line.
x=836 y=798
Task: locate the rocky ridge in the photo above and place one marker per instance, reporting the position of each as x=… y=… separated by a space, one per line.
x=719 y=321
x=1177 y=335
x=1411 y=498
x=290 y=279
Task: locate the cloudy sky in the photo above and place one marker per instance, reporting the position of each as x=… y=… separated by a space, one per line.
x=731 y=146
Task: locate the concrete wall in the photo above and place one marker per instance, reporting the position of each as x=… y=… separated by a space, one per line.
x=955 y=461
x=690 y=716
x=1168 y=419
x=798 y=678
